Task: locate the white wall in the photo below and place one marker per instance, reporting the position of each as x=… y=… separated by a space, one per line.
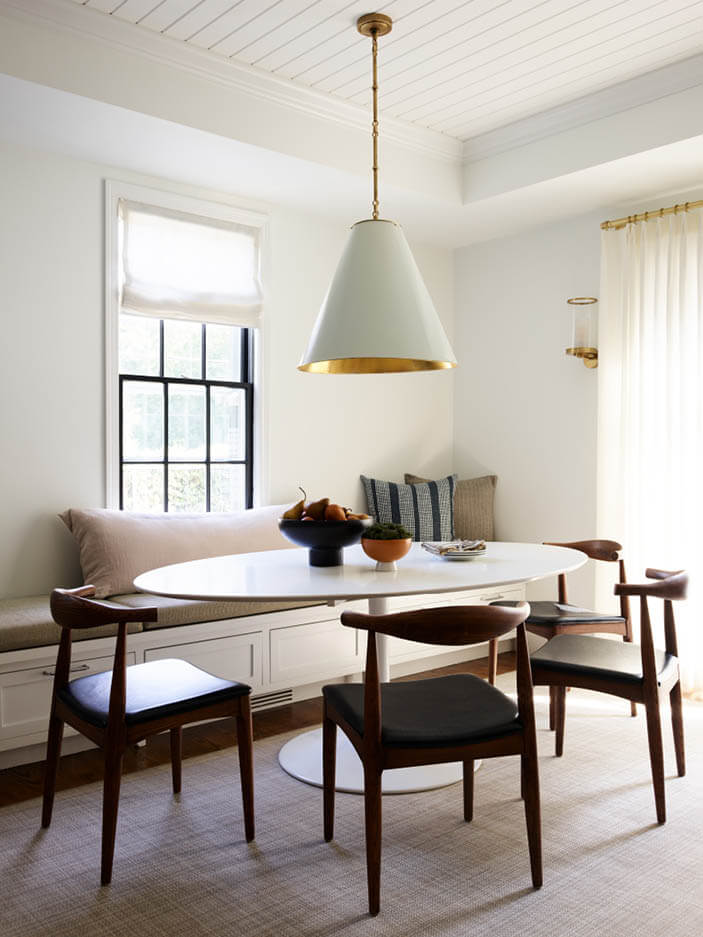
x=319 y=432
x=523 y=409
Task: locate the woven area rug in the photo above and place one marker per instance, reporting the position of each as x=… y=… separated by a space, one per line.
x=182 y=868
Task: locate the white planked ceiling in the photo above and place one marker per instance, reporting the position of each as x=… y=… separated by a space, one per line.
x=460 y=67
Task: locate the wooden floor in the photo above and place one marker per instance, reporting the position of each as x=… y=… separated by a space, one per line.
x=25 y=781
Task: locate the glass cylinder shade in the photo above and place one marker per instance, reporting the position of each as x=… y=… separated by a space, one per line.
x=584 y=330
x=585 y=324
x=378 y=315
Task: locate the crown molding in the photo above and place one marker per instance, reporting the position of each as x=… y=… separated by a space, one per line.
x=664 y=81
x=260 y=85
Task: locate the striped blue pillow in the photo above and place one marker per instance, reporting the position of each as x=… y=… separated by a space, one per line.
x=426 y=510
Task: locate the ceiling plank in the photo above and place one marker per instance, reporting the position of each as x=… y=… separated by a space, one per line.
x=600 y=47
x=500 y=114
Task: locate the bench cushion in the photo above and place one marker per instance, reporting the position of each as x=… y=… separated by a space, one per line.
x=27 y=622
x=117 y=546
x=191 y=611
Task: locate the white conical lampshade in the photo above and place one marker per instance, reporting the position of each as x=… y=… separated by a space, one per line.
x=378 y=315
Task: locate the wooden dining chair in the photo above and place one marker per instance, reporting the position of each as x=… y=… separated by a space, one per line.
x=444 y=719
x=123 y=706
x=635 y=672
x=549 y=618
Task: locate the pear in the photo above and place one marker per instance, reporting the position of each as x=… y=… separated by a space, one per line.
x=335 y=512
x=316 y=509
x=295 y=512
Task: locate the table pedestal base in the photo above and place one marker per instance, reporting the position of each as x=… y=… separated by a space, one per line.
x=302 y=759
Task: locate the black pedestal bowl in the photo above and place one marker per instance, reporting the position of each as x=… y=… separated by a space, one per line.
x=324 y=539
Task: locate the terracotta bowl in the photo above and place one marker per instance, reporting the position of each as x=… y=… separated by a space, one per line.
x=386 y=551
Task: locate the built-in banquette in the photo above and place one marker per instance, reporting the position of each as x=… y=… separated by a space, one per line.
x=284 y=651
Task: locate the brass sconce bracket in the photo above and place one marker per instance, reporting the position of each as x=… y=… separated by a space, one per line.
x=588 y=355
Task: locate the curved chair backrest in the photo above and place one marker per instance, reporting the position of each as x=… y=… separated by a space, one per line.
x=607 y=550
x=671 y=586
x=450 y=625
x=72 y=608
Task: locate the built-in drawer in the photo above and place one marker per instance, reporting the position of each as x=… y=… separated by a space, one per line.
x=399 y=650
x=306 y=653
x=25 y=695
x=238 y=657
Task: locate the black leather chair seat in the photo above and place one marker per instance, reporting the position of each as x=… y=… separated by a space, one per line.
x=442 y=711
x=576 y=654
x=555 y=613
x=156 y=689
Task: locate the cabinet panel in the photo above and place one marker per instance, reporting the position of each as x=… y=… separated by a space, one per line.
x=306 y=653
x=25 y=695
x=233 y=658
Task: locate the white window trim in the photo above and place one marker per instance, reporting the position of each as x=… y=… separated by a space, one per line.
x=114 y=191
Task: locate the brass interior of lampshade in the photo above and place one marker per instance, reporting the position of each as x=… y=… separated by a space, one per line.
x=373 y=366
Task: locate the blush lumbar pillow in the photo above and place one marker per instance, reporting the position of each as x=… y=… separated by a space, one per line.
x=117 y=546
x=473 y=505
x=426 y=510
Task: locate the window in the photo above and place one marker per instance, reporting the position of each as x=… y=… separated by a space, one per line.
x=186 y=405
x=181 y=344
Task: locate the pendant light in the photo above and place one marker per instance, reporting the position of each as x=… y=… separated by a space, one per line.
x=378 y=316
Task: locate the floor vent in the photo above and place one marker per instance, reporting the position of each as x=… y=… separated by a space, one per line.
x=269 y=700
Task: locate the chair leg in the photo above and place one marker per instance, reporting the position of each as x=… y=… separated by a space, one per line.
x=468 y=789
x=627 y=638
x=492 y=660
x=559 y=719
x=533 y=814
x=552 y=709
x=656 y=757
x=245 y=743
x=111 y=801
x=329 y=768
x=53 y=752
x=176 y=756
x=372 y=810
x=677 y=725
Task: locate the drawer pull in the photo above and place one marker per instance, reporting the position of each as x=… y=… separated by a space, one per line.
x=492 y=598
x=75 y=669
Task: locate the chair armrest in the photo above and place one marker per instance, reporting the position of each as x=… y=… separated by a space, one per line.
x=671 y=586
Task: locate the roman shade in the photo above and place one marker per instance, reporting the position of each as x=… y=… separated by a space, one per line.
x=186 y=266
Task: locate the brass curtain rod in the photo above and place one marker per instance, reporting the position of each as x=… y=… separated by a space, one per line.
x=648 y=215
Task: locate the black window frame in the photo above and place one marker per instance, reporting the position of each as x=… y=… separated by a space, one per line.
x=246 y=383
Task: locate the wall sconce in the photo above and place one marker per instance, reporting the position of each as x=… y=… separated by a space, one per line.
x=584 y=342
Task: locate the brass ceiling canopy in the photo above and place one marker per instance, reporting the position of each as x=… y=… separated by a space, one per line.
x=374 y=24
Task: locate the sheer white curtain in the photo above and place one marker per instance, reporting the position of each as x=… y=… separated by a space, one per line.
x=650 y=492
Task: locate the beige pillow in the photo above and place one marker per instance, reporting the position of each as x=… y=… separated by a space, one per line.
x=473 y=506
x=116 y=546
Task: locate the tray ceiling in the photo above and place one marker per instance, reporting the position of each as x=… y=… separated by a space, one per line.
x=460 y=67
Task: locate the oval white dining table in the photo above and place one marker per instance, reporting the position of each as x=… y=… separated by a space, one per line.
x=283 y=575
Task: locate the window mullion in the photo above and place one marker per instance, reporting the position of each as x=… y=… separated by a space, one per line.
x=166 y=463
x=208 y=473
